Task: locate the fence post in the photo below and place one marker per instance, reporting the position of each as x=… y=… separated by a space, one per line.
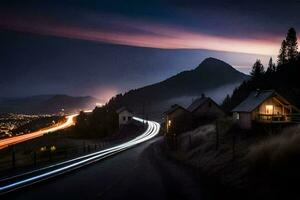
x=34 y=159
x=233 y=146
x=217 y=135
x=84 y=147
x=66 y=153
x=13 y=159
x=50 y=155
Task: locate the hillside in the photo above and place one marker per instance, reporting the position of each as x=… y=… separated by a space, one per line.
x=285 y=80
x=210 y=75
x=46 y=104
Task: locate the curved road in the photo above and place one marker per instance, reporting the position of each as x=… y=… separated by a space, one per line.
x=139 y=173
x=32 y=177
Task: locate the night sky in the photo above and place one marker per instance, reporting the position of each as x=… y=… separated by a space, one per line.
x=103 y=47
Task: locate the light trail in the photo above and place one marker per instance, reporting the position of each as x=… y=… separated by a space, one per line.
x=29 y=136
x=36 y=176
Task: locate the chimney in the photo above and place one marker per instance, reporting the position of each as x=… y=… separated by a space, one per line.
x=202 y=95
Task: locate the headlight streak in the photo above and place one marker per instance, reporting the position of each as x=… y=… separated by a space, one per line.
x=66 y=166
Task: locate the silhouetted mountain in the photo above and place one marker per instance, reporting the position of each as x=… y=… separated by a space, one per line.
x=211 y=74
x=46 y=104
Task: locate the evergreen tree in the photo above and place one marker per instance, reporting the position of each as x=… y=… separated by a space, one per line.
x=282 y=57
x=271 y=66
x=226 y=102
x=257 y=70
x=291 y=44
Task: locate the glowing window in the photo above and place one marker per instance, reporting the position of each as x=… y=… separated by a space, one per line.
x=169 y=123
x=269 y=109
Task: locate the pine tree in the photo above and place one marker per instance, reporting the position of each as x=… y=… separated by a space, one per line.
x=271 y=66
x=282 y=57
x=226 y=101
x=291 y=44
x=257 y=70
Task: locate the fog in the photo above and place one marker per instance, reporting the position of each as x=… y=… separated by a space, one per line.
x=155 y=111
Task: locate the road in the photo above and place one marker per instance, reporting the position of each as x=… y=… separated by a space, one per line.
x=138 y=173
x=21 y=138
x=32 y=177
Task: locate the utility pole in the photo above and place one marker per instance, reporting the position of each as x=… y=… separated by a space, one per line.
x=143 y=113
x=217 y=135
x=233 y=146
x=13 y=155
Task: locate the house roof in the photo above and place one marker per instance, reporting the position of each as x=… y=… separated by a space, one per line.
x=123 y=109
x=256 y=98
x=174 y=108
x=199 y=102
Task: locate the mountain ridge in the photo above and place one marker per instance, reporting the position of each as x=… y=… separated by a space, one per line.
x=210 y=74
x=46 y=104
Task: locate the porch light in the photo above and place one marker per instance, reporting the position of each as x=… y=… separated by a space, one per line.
x=169 y=123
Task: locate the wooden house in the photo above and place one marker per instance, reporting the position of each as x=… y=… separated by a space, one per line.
x=175 y=113
x=125 y=115
x=265 y=106
x=205 y=107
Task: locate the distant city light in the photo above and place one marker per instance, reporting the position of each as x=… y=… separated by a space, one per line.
x=99 y=104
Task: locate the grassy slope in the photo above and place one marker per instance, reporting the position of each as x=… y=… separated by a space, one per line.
x=263 y=166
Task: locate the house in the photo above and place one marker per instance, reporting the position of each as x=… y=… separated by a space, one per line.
x=125 y=115
x=265 y=106
x=205 y=107
x=174 y=114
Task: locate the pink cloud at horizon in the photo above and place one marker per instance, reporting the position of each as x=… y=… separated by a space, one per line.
x=159 y=36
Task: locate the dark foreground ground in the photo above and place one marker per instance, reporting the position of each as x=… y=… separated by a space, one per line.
x=139 y=173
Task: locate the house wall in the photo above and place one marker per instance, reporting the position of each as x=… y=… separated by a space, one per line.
x=178 y=113
x=243 y=119
x=209 y=109
x=124 y=117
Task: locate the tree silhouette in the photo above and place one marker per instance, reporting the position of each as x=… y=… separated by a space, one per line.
x=282 y=57
x=291 y=44
x=257 y=70
x=271 y=67
x=285 y=78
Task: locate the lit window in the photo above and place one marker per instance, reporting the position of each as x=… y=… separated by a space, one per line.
x=169 y=122
x=269 y=109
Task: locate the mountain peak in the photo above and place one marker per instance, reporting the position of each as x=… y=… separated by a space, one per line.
x=213 y=63
x=211 y=59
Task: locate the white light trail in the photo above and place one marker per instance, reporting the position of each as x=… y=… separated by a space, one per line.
x=64 y=167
